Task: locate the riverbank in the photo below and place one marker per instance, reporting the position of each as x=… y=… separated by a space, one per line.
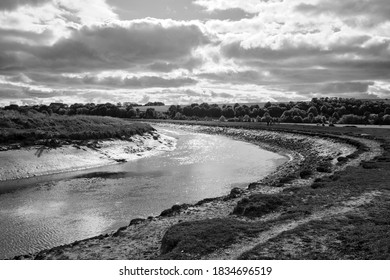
x=335 y=176
x=19 y=130
x=41 y=160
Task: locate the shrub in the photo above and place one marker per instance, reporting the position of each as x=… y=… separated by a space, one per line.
x=386 y=119
x=351 y=119
x=222 y=119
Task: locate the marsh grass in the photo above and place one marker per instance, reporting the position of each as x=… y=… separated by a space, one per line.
x=32 y=126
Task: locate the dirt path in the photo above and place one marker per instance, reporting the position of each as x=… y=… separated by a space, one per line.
x=247 y=244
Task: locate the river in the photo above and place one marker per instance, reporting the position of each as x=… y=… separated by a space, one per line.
x=60 y=209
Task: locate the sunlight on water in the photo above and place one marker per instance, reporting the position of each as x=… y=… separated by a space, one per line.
x=56 y=212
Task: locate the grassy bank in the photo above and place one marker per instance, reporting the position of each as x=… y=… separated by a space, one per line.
x=345 y=215
x=16 y=127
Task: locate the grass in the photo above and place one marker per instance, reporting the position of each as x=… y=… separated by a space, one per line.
x=360 y=234
x=27 y=128
x=191 y=240
x=258 y=205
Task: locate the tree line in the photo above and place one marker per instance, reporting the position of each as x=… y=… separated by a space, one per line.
x=317 y=110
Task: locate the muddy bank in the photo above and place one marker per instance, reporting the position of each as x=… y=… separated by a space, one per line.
x=38 y=160
x=311 y=158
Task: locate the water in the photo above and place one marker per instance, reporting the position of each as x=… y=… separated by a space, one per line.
x=62 y=209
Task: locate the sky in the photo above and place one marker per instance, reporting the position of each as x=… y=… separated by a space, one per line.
x=192 y=51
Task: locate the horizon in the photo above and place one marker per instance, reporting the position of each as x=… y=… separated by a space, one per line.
x=192 y=51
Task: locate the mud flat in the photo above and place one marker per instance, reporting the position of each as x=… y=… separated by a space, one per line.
x=38 y=160
x=329 y=201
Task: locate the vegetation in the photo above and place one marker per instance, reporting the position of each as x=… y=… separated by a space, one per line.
x=358 y=233
x=258 y=205
x=318 y=110
x=190 y=240
x=29 y=126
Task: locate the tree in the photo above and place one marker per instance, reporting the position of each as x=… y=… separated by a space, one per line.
x=335 y=115
x=172 y=111
x=246 y=118
x=215 y=112
x=179 y=116
x=239 y=111
x=275 y=111
x=188 y=111
x=267 y=104
x=297 y=119
x=150 y=113
x=324 y=110
x=386 y=119
x=267 y=118
x=222 y=119
x=228 y=112
x=313 y=110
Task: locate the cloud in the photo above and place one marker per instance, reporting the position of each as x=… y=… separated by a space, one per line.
x=250 y=6
x=61 y=81
x=14 y=4
x=119 y=45
x=366 y=12
x=219 y=50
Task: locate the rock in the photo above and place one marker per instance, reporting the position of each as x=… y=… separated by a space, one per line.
x=342 y=159
x=136 y=221
x=235 y=192
x=175 y=209
x=318 y=185
x=252 y=186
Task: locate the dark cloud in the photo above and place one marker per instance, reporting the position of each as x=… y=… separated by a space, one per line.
x=346 y=87
x=234 y=14
x=112 y=82
x=221 y=95
x=332 y=88
x=13 y=4
x=173 y=9
x=7 y=34
x=375 y=11
x=112 y=47
x=236 y=77
x=289 y=49
x=10 y=93
x=162 y=67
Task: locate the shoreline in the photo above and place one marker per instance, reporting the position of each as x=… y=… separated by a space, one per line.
x=155 y=227
x=39 y=161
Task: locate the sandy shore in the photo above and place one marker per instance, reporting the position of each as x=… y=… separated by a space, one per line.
x=40 y=160
x=142 y=239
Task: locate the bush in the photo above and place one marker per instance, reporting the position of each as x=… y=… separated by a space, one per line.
x=386 y=119
x=351 y=119
x=222 y=119
x=179 y=116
